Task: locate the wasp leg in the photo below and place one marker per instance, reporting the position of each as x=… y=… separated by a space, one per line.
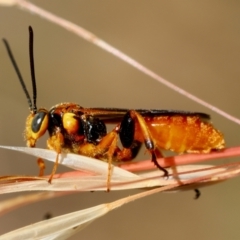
x=197 y=193
x=41 y=166
x=108 y=150
x=109 y=154
x=127 y=154
x=104 y=150
x=127 y=131
x=55 y=142
x=54 y=169
x=158 y=153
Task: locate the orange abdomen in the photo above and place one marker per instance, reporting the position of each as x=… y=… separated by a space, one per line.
x=184 y=134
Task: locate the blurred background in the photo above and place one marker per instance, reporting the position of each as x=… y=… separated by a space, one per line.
x=193 y=44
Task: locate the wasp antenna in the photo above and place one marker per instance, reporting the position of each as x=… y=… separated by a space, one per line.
x=18 y=73
x=31 y=57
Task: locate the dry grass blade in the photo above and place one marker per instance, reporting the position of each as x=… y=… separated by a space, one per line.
x=66 y=225
x=7 y=2
x=73 y=161
x=22 y=200
x=121 y=179
x=182 y=159
x=60 y=227
x=98 y=183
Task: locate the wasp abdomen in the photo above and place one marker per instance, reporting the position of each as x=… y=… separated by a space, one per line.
x=185 y=134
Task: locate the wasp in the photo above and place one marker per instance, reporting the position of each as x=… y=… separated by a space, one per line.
x=80 y=130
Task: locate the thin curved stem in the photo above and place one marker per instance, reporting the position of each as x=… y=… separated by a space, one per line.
x=83 y=33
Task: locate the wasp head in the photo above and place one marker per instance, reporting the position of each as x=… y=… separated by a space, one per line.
x=36 y=126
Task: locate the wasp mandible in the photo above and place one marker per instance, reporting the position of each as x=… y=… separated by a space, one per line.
x=80 y=130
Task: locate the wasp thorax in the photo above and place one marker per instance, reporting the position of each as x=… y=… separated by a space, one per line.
x=70 y=123
x=36 y=126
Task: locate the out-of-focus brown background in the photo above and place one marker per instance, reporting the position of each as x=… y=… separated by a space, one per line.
x=194 y=44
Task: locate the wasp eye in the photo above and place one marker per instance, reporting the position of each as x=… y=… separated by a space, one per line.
x=37 y=121
x=39 y=124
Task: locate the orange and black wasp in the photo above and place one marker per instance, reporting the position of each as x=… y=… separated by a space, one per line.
x=80 y=130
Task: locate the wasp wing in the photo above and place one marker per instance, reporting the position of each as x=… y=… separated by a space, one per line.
x=113 y=115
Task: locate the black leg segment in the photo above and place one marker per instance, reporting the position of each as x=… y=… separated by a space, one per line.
x=126 y=131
